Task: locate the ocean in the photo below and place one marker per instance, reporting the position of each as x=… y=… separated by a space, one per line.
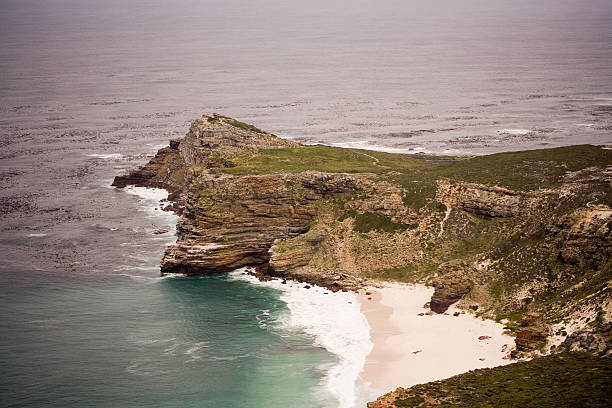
x=89 y=90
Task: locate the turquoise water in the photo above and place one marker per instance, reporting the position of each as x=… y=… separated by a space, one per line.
x=108 y=331
x=145 y=342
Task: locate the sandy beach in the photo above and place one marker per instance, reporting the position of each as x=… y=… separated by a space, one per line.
x=413 y=347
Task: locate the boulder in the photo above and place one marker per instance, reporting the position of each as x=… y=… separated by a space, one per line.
x=532 y=332
x=450 y=285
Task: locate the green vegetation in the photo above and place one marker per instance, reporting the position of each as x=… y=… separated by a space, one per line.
x=419 y=191
x=368 y=221
x=179 y=176
x=322 y=158
x=406 y=273
x=599 y=320
x=528 y=170
x=513 y=319
x=562 y=380
x=525 y=170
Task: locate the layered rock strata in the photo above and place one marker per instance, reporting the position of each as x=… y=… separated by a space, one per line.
x=503 y=251
x=230 y=222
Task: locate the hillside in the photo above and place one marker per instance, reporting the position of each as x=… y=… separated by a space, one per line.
x=563 y=380
x=523 y=237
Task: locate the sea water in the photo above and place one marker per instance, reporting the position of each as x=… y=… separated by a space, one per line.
x=134 y=338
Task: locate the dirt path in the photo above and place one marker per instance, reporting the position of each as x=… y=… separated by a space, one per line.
x=376 y=160
x=446 y=215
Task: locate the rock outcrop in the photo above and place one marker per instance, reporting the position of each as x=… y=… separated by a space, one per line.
x=451 y=284
x=592 y=341
x=162 y=171
x=586 y=237
x=230 y=222
x=214 y=140
x=532 y=332
x=482 y=200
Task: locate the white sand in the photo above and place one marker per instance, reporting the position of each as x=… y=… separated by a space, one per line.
x=410 y=349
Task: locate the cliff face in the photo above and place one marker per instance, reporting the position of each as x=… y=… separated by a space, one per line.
x=505 y=235
x=231 y=222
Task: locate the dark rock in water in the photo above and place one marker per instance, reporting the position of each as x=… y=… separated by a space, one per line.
x=450 y=285
x=160 y=172
x=160 y=231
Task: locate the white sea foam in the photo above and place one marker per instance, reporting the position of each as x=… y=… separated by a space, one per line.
x=173 y=276
x=37 y=235
x=335 y=322
x=106 y=155
x=138 y=278
x=149 y=194
x=150 y=199
x=514 y=132
x=367 y=145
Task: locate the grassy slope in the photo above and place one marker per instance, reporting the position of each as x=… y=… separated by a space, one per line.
x=526 y=170
x=563 y=380
x=529 y=170
x=322 y=158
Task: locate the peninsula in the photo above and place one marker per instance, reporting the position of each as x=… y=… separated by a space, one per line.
x=523 y=238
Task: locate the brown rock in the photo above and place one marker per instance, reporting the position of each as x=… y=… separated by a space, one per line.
x=586 y=237
x=483 y=200
x=160 y=172
x=450 y=285
x=532 y=332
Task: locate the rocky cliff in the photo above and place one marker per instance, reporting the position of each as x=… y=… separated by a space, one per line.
x=508 y=236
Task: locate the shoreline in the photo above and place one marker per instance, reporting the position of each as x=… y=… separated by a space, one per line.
x=344 y=333
x=412 y=346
